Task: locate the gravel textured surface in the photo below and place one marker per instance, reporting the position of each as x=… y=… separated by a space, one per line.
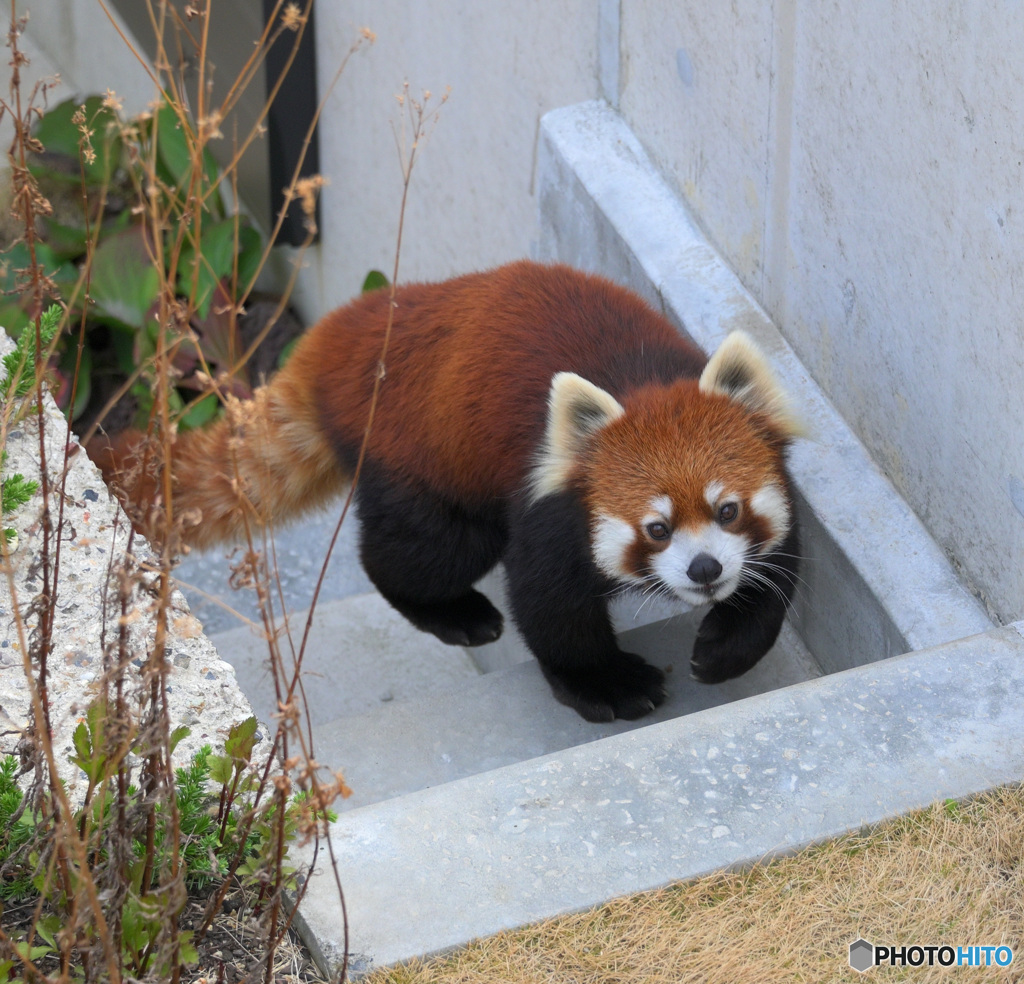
x=94 y=535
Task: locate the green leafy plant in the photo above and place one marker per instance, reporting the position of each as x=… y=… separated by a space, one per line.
x=221 y=833
x=15 y=491
x=17 y=829
x=19 y=366
x=19 y=379
x=117 y=181
x=130 y=224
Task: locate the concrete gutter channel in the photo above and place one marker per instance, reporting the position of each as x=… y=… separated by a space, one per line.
x=483 y=805
x=604 y=814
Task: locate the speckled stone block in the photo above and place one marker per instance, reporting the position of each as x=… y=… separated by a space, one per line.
x=94 y=538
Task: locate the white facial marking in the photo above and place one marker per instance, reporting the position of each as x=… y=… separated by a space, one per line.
x=672 y=563
x=713 y=493
x=612 y=537
x=770 y=502
x=661 y=508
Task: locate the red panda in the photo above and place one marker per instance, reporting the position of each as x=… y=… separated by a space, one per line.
x=535 y=415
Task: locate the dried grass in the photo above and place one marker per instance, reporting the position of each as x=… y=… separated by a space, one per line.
x=949 y=875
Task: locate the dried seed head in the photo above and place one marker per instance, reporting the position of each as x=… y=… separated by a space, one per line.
x=292 y=18
x=306 y=189
x=112 y=101
x=209 y=127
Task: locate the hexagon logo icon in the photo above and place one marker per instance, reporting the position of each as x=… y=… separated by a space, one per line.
x=862 y=955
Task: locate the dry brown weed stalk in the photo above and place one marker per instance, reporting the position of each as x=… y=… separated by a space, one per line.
x=89 y=864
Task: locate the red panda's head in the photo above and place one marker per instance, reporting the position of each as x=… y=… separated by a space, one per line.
x=684 y=484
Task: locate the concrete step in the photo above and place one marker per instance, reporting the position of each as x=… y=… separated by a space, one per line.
x=403 y=715
x=474 y=733
x=509 y=715
x=296 y=559
x=360 y=655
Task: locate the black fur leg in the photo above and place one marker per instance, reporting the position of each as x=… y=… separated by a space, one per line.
x=423 y=555
x=625 y=686
x=469 y=620
x=737 y=632
x=559 y=601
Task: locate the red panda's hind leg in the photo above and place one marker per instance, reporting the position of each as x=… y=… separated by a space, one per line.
x=423 y=554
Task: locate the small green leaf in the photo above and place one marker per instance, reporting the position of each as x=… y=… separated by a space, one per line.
x=374 y=281
x=221 y=768
x=47 y=928
x=187 y=953
x=250 y=254
x=217 y=260
x=175 y=156
x=80 y=738
x=125 y=283
x=241 y=739
x=177 y=735
x=172 y=149
x=200 y=413
x=34 y=953
x=136 y=928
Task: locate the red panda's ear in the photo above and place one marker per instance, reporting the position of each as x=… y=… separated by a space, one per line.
x=576 y=410
x=740 y=371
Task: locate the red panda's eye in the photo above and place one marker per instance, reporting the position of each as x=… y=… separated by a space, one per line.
x=728 y=512
x=658 y=531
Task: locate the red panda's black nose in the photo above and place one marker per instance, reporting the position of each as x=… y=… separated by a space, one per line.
x=704 y=569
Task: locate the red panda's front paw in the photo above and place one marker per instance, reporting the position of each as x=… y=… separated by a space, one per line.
x=729 y=642
x=626 y=688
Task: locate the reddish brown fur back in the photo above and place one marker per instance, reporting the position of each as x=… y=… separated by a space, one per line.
x=470 y=364
x=462 y=403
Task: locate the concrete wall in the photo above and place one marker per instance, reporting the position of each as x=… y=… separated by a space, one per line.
x=472 y=202
x=859 y=165
x=81 y=42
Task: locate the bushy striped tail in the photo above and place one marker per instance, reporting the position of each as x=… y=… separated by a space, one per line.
x=262 y=463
